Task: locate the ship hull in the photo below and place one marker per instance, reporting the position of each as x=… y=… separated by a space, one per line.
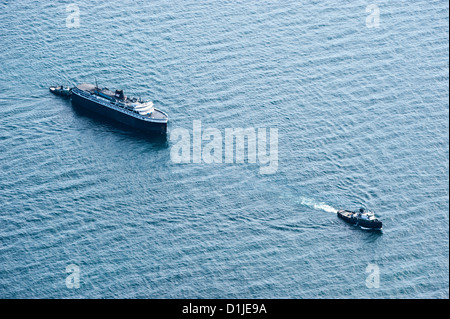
x=115 y=115
x=349 y=218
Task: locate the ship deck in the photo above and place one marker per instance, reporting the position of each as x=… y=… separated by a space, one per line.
x=106 y=93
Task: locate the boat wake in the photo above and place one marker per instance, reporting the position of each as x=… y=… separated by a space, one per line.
x=317 y=205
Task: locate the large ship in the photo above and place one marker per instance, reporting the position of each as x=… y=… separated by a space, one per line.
x=133 y=112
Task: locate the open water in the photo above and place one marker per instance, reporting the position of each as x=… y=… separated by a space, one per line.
x=362 y=116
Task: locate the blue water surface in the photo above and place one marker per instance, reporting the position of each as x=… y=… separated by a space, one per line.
x=362 y=116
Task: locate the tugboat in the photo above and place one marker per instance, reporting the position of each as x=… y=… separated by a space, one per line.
x=362 y=218
x=61 y=90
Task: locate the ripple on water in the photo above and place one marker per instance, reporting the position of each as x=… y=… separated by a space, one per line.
x=362 y=116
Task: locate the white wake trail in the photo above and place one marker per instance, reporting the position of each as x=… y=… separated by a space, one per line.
x=317 y=205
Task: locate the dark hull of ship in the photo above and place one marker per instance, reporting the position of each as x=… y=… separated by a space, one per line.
x=131 y=121
x=349 y=218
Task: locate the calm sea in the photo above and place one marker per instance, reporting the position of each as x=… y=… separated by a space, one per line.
x=360 y=105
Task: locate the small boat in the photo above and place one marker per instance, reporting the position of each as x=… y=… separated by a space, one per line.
x=362 y=218
x=61 y=90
